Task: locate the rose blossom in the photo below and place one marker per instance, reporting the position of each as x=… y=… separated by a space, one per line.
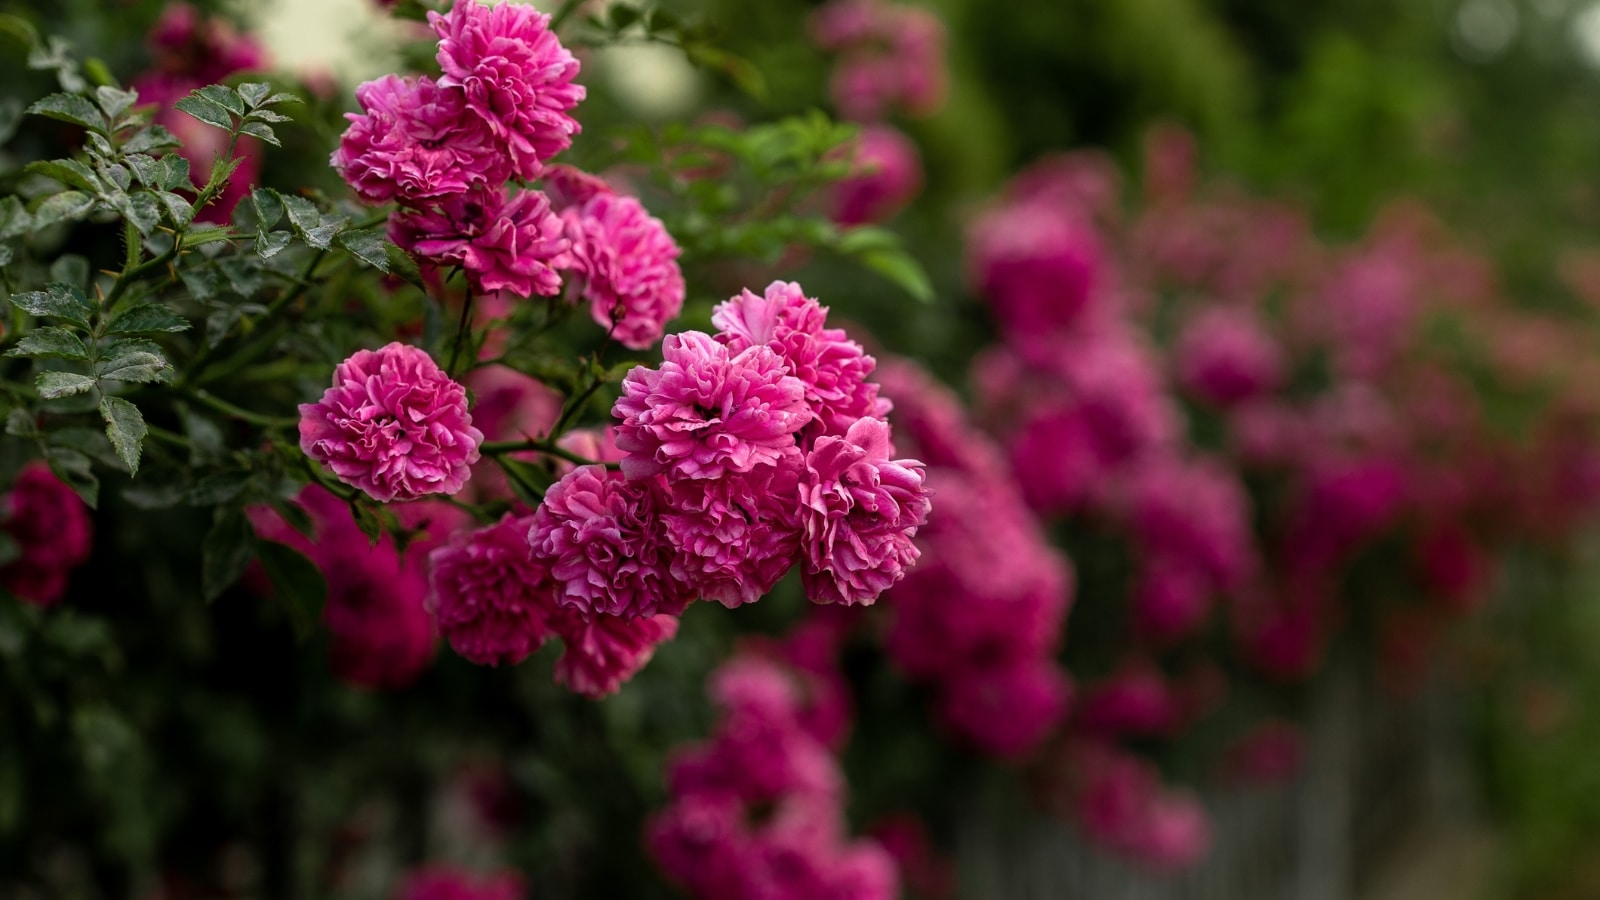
x=1007 y=709
x=628 y=263
x=415 y=141
x=393 y=424
x=52 y=531
x=491 y=601
x=885 y=175
x=515 y=74
x=602 y=539
x=603 y=651
x=506 y=243
x=708 y=411
x=833 y=368
x=735 y=536
x=1225 y=356
x=860 y=511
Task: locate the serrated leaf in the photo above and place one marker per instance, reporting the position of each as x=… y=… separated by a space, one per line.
x=252 y=93
x=267 y=115
x=14 y=218
x=61 y=301
x=271 y=243
x=67 y=171
x=268 y=207
x=116 y=174
x=368 y=245
x=261 y=130
x=321 y=237
x=6 y=253
x=297 y=583
x=71 y=271
x=178 y=210
x=146 y=318
x=55 y=385
x=246 y=279
x=61 y=207
x=126 y=429
x=223 y=96
x=70 y=108
x=207 y=111
x=145 y=168
x=50 y=342
x=226 y=551
x=76 y=471
x=303 y=214
x=142 y=209
x=216 y=489
x=139 y=366
x=99 y=146
x=114 y=102
x=88 y=441
x=403 y=266
x=174 y=173
x=156 y=137
x=201 y=282
x=901 y=269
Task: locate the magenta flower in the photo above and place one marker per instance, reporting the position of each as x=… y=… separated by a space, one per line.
x=52 y=531
x=504 y=243
x=491 y=601
x=602 y=539
x=393 y=424
x=735 y=536
x=1224 y=356
x=1007 y=709
x=603 y=651
x=833 y=368
x=415 y=141
x=515 y=74
x=708 y=411
x=628 y=263
x=860 y=511
x=1039 y=267
x=1134 y=700
x=886 y=175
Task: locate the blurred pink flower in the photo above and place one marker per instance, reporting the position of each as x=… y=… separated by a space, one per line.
x=52 y=532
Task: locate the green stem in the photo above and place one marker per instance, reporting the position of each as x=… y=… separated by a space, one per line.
x=238 y=412
x=462 y=328
x=571 y=409
x=191 y=372
x=548 y=448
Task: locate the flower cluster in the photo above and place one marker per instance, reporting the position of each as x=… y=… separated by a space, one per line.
x=758 y=810
x=51 y=533
x=1118 y=799
x=982 y=618
x=445 y=149
x=744 y=454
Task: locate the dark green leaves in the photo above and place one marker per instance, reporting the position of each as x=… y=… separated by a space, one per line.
x=226 y=551
x=146 y=318
x=58 y=301
x=71 y=108
x=67 y=171
x=55 y=385
x=242 y=111
x=50 y=342
x=206 y=110
x=126 y=429
x=368 y=245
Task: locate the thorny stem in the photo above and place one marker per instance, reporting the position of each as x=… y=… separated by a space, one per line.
x=461 y=333
x=237 y=412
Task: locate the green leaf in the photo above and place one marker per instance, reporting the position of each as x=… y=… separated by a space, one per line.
x=60 y=301
x=145 y=168
x=900 y=268
x=216 y=489
x=14 y=218
x=271 y=243
x=156 y=137
x=142 y=209
x=253 y=93
x=146 y=318
x=88 y=441
x=207 y=234
x=113 y=101
x=178 y=210
x=267 y=115
x=282 y=97
x=201 y=282
x=138 y=366
x=67 y=171
x=61 y=207
x=226 y=551
x=268 y=207
x=20 y=423
x=77 y=471
x=223 y=96
x=174 y=173
x=402 y=265
x=71 y=271
x=125 y=427
x=368 y=245
x=261 y=130
x=70 y=108
x=207 y=111
x=303 y=214
x=55 y=385
x=321 y=237
x=115 y=173
x=297 y=583
x=50 y=342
